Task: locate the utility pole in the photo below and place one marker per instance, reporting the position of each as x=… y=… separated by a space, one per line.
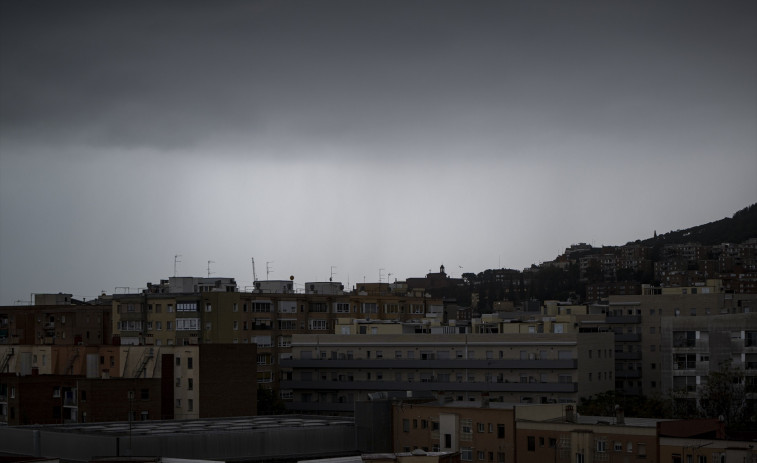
x=209 y=272
x=254 y=275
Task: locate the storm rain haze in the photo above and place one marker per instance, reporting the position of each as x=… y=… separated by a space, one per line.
x=388 y=135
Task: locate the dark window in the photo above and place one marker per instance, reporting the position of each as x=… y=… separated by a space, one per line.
x=144 y=394
x=448 y=441
x=531 y=444
x=189 y=363
x=501 y=431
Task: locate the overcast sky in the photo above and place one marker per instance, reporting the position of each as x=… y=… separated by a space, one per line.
x=383 y=137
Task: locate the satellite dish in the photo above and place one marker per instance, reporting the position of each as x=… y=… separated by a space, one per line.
x=291 y=277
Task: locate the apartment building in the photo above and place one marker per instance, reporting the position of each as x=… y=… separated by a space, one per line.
x=479 y=431
x=328 y=373
x=56 y=319
x=586 y=439
x=637 y=322
x=190 y=378
x=268 y=317
x=698 y=346
x=59 y=399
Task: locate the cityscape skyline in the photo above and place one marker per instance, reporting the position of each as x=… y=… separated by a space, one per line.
x=361 y=136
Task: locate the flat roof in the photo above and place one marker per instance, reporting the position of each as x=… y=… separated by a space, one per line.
x=213 y=425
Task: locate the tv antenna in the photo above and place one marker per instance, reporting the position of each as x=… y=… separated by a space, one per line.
x=331 y=277
x=209 y=272
x=268 y=269
x=175 y=261
x=254 y=275
x=381 y=276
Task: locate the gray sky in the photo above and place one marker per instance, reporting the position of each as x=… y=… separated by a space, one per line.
x=394 y=135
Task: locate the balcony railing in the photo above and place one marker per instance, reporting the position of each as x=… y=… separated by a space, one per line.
x=426 y=364
x=429 y=385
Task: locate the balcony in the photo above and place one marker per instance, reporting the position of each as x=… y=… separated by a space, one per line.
x=432 y=364
x=428 y=386
x=627 y=337
x=623 y=319
x=320 y=406
x=627 y=355
x=628 y=374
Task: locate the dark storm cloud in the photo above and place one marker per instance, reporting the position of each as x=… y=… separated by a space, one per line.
x=169 y=75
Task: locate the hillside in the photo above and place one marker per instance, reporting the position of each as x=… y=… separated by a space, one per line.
x=737 y=229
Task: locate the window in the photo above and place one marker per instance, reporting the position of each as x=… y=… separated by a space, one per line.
x=500 y=431
x=190 y=405
x=481 y=427
x=235 y=325
x=629 y=447
x=190 y=384
x=466 y=429
x=318 y=324
x=466 y=454
x=261 y=306
x=405 y=425
x=189 y=363
x=208 y=307
x=184 y=307
x=684 y=338
x=342 y=307
x=601 y=445
x=642 y=450
x=144 y=394
x=481 y=455
x=531 y=443
x=318 y=307
x=178 y=403
x=618 y=447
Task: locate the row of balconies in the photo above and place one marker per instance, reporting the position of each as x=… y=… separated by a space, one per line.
x=427 y=364
x=479 y=386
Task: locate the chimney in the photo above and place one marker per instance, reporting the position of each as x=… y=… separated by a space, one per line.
x=569 y=414
x=620 y=417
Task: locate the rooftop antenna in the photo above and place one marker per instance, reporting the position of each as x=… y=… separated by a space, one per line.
x=268 y=269
x=381 y=270
x=254 y=275
x=209 y=272
x=331 y=278
x=175 y=261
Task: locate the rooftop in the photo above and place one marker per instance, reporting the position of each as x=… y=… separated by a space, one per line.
x=204 y=426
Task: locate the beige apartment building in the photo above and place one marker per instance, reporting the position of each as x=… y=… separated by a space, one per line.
x=268 y=316
x=328 y=373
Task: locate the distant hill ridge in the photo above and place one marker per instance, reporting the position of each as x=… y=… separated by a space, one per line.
x=737 y=229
